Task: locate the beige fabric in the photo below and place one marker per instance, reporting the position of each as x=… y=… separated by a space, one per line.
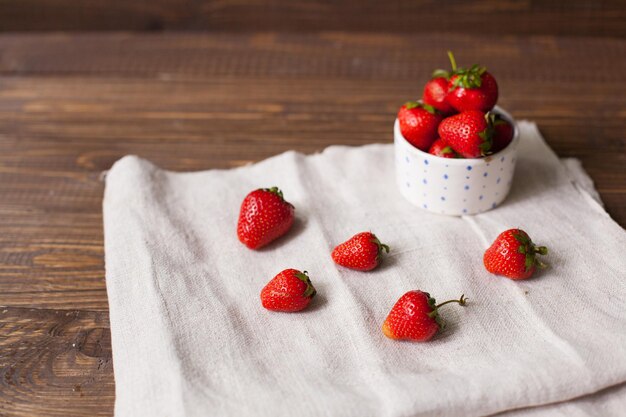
x=190 y=337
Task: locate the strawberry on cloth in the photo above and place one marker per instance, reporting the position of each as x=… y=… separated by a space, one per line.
x=264 y=216
x=289 y=291
x=362 y=252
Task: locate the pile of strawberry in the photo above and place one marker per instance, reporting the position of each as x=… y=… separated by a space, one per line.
x=265 y=216
x=455 y=118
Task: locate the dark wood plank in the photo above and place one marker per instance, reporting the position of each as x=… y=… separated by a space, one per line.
x=71 y=105
x=55 y=363
x=495 y=17
x=336 y=55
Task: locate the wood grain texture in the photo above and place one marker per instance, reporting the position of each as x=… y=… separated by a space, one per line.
x=70 y=105
x=55 y=363
x=496 y=17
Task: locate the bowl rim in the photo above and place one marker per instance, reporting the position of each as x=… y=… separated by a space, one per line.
x=464 y=161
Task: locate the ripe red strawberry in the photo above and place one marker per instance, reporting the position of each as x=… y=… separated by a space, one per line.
x=470 y=89
x=361 y=252
x=415 y=317
x=442 y=149
x=513 y=255
x=468 y=133
x=467 y=89
x=290 y=290
x=418 y=124
x=435 y=92
x=502 y=134
x=264 y=216
x=473 y=89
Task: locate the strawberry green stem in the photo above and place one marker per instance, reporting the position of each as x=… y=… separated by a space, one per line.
x=452 y=60
x=541 y=250
x=461 y=301
x=275 y=190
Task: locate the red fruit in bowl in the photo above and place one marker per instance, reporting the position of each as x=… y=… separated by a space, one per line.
x=514 y=255
x=415 y=317
x=289 y=291
x=264 y=216
x=468 y=133
x=502 y=134
x=435 y=92
x=418 y=124
x=442 y=149
x=471 y=89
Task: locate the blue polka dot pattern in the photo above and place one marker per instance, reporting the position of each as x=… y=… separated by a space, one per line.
x=448 y=186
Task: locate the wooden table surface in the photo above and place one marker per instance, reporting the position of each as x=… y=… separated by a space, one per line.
x=70 y=105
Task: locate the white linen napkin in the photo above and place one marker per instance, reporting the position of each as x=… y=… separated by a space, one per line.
x=190 y=337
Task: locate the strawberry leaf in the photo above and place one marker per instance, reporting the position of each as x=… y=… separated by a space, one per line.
x=432 y=303
x=430 y=109
x=526 y=248
x=275 y=190
x=529 y=261
x=468 y=78
x=440 y=73
x=381 y=247
x=415 y=104
x=487 y=140
x=310 y=291
x=487 y=135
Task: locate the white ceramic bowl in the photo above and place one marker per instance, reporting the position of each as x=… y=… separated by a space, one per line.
x=455 y=186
